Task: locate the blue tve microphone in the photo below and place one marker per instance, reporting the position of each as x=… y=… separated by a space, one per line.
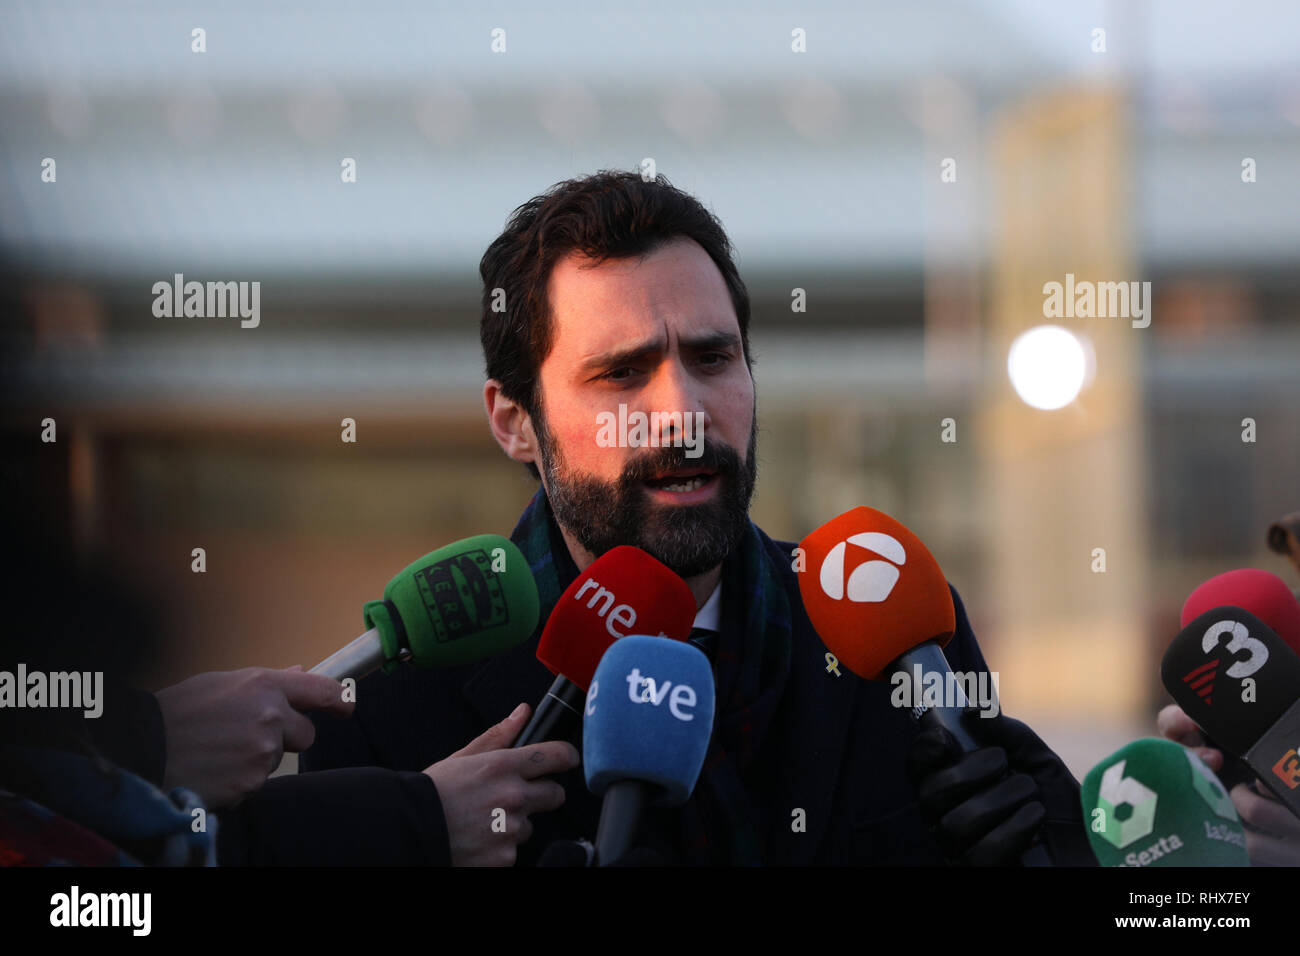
x=645 y=730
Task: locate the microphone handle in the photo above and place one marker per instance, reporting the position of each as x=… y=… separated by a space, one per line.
x=557 y=717
x=1279 y=776
x=929 y=658
x=355 y=659
x=1235 y=770
x=620 y=819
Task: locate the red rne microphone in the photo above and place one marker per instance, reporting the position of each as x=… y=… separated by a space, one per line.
x=1262 y=593
x=624 y=591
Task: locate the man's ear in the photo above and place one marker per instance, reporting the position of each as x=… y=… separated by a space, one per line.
x=511 y=426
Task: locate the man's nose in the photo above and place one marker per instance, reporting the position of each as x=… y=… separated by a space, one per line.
x=674 y=389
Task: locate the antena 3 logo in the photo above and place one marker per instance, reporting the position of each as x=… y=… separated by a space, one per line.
x=864 y=575
x=870 y=581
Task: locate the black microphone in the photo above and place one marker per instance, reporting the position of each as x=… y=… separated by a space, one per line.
x=1239 y=681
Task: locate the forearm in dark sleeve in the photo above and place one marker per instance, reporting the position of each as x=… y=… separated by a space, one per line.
x=1064 y=827
x=130 y=732
x=340 y=742
x=353 y=816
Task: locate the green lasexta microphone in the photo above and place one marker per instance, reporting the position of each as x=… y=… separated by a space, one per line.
x=459 y=604
x=1155 y=803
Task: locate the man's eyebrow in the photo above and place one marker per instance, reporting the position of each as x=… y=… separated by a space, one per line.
x=711 y=340
x=636 y=353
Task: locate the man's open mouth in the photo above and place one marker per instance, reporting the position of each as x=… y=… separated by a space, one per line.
x=681 y=481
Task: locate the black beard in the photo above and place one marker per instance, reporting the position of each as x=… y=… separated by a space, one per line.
x=689 y=539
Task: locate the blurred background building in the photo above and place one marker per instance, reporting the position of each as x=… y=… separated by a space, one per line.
x=919 y=172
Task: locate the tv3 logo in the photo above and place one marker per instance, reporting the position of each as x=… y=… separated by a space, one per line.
x=1201 y=677
x=871 y=581
x=1288 y=769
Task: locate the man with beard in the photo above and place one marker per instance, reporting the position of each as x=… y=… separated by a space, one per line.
x=621 y=291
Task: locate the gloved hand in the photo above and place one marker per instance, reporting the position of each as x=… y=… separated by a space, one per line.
x=984 y=806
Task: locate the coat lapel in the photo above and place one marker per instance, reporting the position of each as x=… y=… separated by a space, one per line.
x=807 y=743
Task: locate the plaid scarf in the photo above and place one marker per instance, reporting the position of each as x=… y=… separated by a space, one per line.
x=721 y=824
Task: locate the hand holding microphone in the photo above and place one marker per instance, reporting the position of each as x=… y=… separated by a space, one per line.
x=226 y=731
x=487 y=781
x=1174 y=725
x=984 y=809
x=1272 y=831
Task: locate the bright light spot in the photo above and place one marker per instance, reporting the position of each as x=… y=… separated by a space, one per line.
x=1048 y=366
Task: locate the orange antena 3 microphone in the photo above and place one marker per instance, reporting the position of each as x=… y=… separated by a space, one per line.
x=880 y=603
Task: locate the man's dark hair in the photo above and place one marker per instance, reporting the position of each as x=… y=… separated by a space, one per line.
x=611 y=214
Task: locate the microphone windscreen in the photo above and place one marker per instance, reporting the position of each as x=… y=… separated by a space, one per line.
x=1232 y=675
x=1155 y=803
x=624 y=591
x=459 y=604
x=1262 y=593
x=648 y=717
x=873 y=591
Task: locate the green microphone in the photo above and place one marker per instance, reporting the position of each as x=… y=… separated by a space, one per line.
x=1155 y=803
x=457 y=605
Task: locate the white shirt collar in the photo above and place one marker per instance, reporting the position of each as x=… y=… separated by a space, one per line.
x=708 y=616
